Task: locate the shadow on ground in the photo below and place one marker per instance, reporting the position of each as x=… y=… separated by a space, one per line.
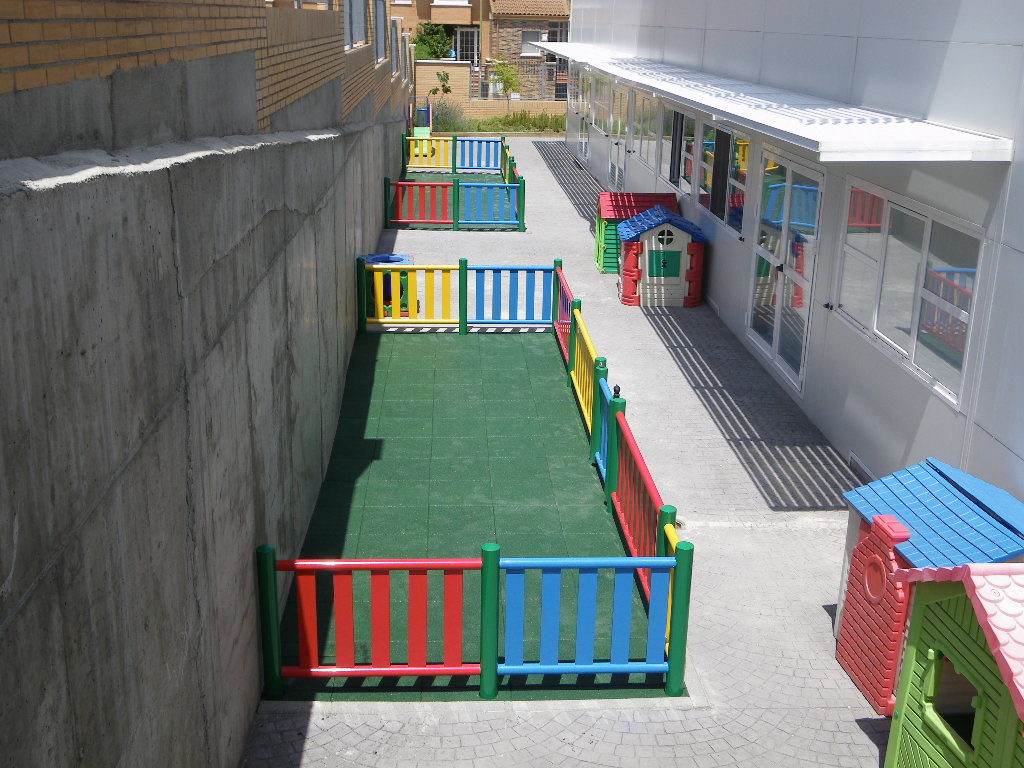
x=579 y=186
x=792 y=464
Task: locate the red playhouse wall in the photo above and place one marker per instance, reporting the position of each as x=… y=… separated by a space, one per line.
x=875 y=612
x=626 y=205
x=631 y=273
x=694 y=275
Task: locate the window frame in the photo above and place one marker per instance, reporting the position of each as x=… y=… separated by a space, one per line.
x=935 y=721
x=350 y=42
x=380 y=30
x=931 y=215
x=536 y=52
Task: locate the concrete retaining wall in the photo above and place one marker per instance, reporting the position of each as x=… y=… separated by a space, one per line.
x=176 y=330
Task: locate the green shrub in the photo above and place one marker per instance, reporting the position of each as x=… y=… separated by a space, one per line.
x=449 y=117
x=524 y=121
x=432 y=41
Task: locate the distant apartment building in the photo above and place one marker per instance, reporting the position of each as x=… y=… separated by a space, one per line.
x=853 y=164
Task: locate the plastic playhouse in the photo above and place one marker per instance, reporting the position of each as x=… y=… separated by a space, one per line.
x=961 y=691
x=421 y=119
x=930 y=515
x=654 y=246
x=613 y=208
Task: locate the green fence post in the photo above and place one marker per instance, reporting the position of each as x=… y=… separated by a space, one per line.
x=576 y=304
x=270 y=622
x=611 y=475
x=666 y=516
x=682 y=579
x=387 y=202
x=555 y=291
x=490 y=554
x=455 y=203
x=361 y=293
x=600 y=373
x=463 y=296
x=455 y=153
x=405 y=149
x=521 y=199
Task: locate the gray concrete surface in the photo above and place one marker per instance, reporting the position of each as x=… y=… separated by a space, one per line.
x=757 y=487
x=215 y=96
x=176 y=328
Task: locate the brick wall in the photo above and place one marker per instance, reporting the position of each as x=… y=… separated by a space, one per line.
x=45 y=42
x=459 y=81
x=507 y=45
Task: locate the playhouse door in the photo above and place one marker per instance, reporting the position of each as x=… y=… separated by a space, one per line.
x=784 y=262
x=664 y=265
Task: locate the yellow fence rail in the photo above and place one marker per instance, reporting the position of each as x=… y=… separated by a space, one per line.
x=423 y=293
x=430 y=153
x=582 y=373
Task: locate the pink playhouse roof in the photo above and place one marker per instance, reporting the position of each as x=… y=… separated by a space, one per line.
x=626 y=205
x=997 y=592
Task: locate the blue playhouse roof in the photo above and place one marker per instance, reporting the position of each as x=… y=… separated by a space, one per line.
x=659 y=215
x=953 y=517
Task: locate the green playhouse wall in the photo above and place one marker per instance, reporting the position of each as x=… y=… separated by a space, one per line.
x=943 y=619
x=606 y=252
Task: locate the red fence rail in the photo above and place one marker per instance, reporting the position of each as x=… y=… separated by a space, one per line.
x=563 y=315
x=421 y=202
x=636 y=500
x=345 y=628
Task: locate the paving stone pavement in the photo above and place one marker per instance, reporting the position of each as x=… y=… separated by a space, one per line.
x=758 y=491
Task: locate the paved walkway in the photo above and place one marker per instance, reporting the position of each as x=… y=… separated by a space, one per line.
x=757 y=487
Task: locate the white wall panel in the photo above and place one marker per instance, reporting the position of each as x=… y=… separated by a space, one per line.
x=736 y=54
x=815 y=64
x=745 y=15
x=684 y=47
x=813 y=17
x=970 y=21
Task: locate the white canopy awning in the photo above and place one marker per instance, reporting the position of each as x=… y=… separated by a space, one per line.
x=837 y=132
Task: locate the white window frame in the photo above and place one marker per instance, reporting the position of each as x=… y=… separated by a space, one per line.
x=534 y=52
x=930 y=215
x=683 y=154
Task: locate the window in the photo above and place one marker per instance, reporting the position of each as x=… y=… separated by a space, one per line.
x=665 y=237
x=467 y=45
x=558 y=31
x=910 y=279
x=737 y=190
x=394 y=46
x=677 y=138
x=952 y=705
x=600 y=102
x=643 y=140
x=380 y=28
x=715 y=165
x=355 y=23
x=528 y=36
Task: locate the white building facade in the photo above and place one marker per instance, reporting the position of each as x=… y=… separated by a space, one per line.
x=852 y=164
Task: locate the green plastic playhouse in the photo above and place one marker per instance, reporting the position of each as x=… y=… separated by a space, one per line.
x=612 y=209
x=960 y=702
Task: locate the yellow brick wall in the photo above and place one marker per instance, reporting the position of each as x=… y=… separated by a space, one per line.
x=45 y=42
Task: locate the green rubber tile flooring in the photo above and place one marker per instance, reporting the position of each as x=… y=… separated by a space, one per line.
x=445 y=443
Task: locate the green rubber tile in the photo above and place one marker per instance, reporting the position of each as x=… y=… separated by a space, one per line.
x=514 y=519
x=404 y=448
x=446 y=470
x=404 y=426
x=460 y=426
x=412 y=493
x=518 y=447
x=390 y=409
x=349 y=471
x=466 y=491
x=401 y=389
x=387 y=545
x=457 y=377
x=336 y=495
x=537 y=544
x=452 y=448
x=518 y=426
x=511 y=407
x=356 y=428
x=397 y=472
x=354 y=448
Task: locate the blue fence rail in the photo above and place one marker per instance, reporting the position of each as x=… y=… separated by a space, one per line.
x=602 y=426
x=472 y=154
x=551 y=610
x=488 y=203
x=503 y=295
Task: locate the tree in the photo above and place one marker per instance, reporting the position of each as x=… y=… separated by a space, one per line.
x=432 y=41
x=442 y=84
x=507 y=77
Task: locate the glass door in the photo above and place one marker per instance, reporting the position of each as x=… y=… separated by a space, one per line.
x=617 y=137
x=467 y=45
x=784 y=261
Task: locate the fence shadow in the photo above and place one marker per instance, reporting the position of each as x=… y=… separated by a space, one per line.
x=793 y=466
x=579 y=186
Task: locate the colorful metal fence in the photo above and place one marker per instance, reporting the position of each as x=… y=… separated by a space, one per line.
x=581 y=370
x=432 y=153
x=601 y=423
x=665 y=633
x=420 y=202
x=479 y=154
x=636 y=499
x=553 y=612
x=485 y=203
x=425 y=293
x=562 y=319
x=506 y=295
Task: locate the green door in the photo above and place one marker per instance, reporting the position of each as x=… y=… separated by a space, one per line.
x=664 y=263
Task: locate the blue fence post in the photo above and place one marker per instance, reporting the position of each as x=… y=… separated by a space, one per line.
x=600 y=373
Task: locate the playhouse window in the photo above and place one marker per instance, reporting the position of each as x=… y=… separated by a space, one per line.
x=954 y=699
x=908 y=277
x=665 y=237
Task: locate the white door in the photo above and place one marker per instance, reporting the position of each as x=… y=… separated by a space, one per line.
x=784 y=257
x=617 y=139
